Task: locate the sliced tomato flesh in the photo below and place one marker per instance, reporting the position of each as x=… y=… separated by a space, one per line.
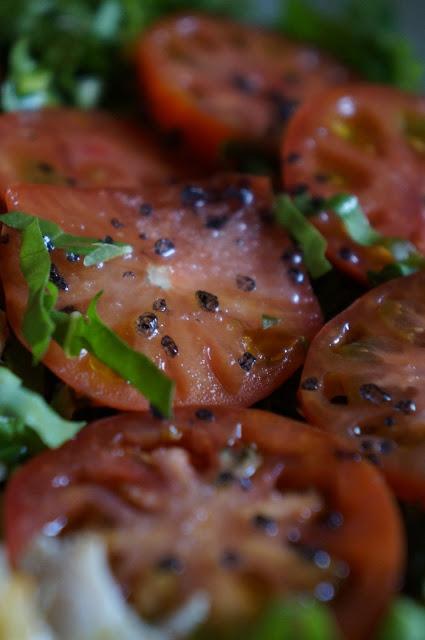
x=364 y=379
x=241 y=504
x=370 y=141
x=206 y=266
x=88 y=149
x=216 y=81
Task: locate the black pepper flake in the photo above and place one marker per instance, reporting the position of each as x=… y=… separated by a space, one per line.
x=340 y=399
x=208 y=301
x=386 y=446
x=128 y=274
x=108 y=240
x=145 y=209
x=4 y=238
x=156 y=413
x=310 y=384
x=333 y=520
x=293 y=158
x=57 y=279
x=230 y=559
x=374 y=394
x=317 y=203
x=296 y=275
x=242 y=194
x=143 y=236
x=193 y=196
x=147 y=324
x=266 y=524
x=284 y=107
x=204 y=414
x=216 y=222
x=170 y=346
x=245 y=283
x=242 y=83
x=246 y=361
x=345 y=253
x=373 y=458
x=294 y=257
x=164 y=247
x=225 y=478
x=171 y=564
x=72 y=257
x=389 y=421
x=406 y=406
x=117 y=224
x=298 y=189
x=159 y=305
x=48 y=244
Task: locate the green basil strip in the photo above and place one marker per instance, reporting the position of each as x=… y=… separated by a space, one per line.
x=348 y=209
x=75 y=332
x=304 y=620
x=37 y=325
x=311 y=241
x=31 y=409
x=94 y=250
x=405 y=621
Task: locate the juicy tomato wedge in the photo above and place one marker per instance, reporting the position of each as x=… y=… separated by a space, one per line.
x=216 y=81
x=364 y=378
x=88 y=149
x=370 y=141
x=243 y=504
x=206 y=266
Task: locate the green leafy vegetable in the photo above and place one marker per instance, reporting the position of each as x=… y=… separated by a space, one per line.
x=407 y=258
x=406 y=621
x=20 y=407
x=311 y=241
x=304 y=620
x=362 y=34
x=75 y=332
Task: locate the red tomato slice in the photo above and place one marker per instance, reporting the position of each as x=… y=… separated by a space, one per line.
x=364 y=378
x=62 y=146
x=207 y=264
x=216 y=81
x=243 y=504
x=370 y=141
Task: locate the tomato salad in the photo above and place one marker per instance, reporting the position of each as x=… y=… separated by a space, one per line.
x=157 y=297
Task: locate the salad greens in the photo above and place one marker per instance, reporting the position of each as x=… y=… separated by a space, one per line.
x=74 y=331
x=310 y=240
x=307 y=620
x=78 y=52
x=21 y=408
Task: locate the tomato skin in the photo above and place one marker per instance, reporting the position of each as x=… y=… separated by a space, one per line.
x=215 y=81
x=369 y=357
x=226 y=248
x=361 y=139
x=87 y=149
x=109 y=457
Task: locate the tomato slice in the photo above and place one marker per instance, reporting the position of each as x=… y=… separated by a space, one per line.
x=89 y=149
x=207 y=264
x=364 y=378
x=243 y=504
x=216 y=81
x=367 y=140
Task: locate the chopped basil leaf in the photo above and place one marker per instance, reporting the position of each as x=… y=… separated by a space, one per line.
x=405 y=621
x=94 y=250
x=311 y=241
x=269 y=321
x=37 y=325
x=21 y=407
x=75 y=332
x=348 y=209
x=307 y=620
x=407 y=258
